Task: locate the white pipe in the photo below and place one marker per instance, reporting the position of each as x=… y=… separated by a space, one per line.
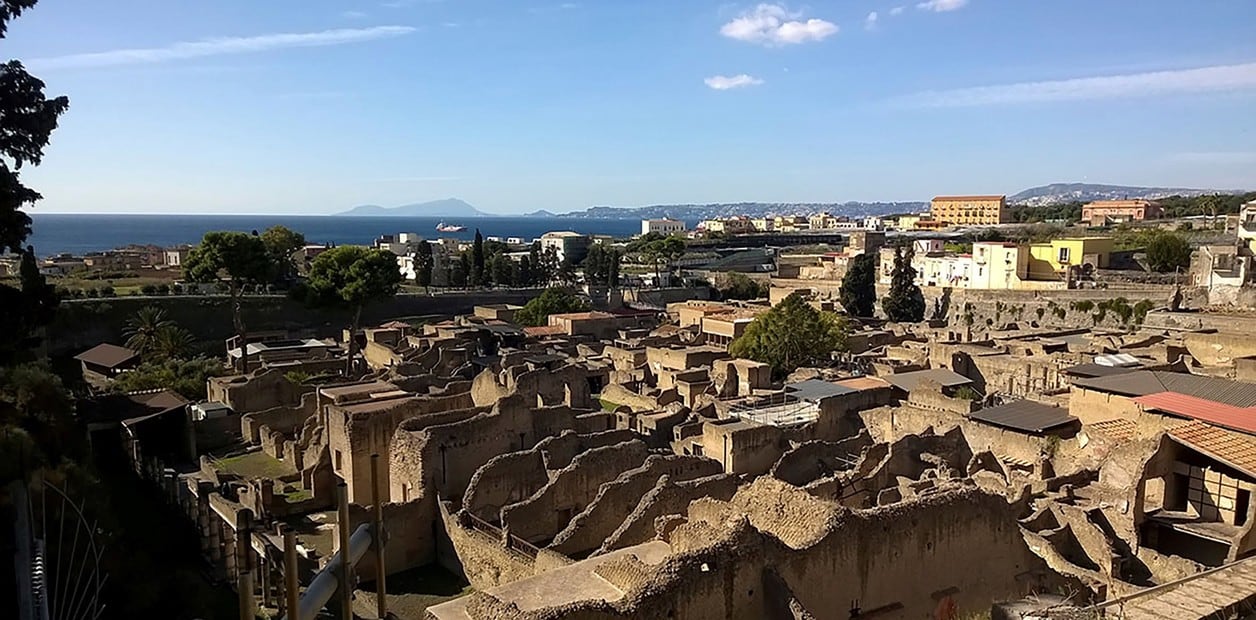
x=325 y=583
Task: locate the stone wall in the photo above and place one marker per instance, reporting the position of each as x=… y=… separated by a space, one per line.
x=355 y=435
x=1220 y=349
x=904 y=554
x=80 y=324
x=617 y=498
x=666 y=498
x=558 y=451
x=541 y=516
x=815 y=459
x=504 y=480
x=282 y=419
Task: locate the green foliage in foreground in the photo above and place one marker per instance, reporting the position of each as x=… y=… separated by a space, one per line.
x=552 y=301
x=792 y=335
x=187 y=377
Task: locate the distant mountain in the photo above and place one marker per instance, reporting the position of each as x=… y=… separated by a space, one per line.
x=692 y=212
x=450 y=207
x=1057 y=193
x=541 y=213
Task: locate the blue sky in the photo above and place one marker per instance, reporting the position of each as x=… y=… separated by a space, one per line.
x=314 y=106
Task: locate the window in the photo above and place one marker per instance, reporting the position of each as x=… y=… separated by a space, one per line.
x=1064 y=255
x=337 y=460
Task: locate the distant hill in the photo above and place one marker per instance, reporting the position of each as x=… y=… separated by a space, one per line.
x=450 y=207
x=1057 y=193
x=691 y=212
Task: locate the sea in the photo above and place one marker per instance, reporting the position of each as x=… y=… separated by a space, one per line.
x=56 y=233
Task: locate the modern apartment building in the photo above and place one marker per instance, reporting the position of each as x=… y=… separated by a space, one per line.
x=663 y=226
x=1103 y=212
x=971 y=210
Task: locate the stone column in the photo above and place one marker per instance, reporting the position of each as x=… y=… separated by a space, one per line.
x=228 y=553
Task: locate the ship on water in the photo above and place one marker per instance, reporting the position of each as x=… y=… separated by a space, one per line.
x=449 y=228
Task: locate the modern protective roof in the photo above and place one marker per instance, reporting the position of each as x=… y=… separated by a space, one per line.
x=1024 y=415
x=907 y=381
x=1096 y=370
x=1235 y=449
x=814 y=390
x=1145 y=382
x=107 y=355
x=1236 y=418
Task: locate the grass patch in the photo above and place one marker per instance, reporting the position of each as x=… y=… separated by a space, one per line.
x=255 y=465
x=608 y=405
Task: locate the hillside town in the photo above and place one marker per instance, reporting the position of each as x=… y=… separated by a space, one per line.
x=811 y=418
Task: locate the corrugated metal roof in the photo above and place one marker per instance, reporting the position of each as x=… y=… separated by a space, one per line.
x=107 y=355
x=1235 y=449
x=907 y=381
x=814 y=390
x=1096 y=370
x=1024 y=415
x=1144 y=382
x=1221 y=414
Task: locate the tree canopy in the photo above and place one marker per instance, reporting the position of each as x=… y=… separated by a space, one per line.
x=551 y=301
x=1167 y=252
x=791 y=335
x=281 y=242
x=236 y=259
x=27 y=119
x=601 y=266
x=352 y=276
x=905 y=303
x=739 y=286
x=858 y=293
x=423 y=263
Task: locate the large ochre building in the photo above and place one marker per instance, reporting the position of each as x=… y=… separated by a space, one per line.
x=971 y=210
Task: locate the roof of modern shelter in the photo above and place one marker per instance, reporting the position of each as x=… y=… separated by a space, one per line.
x=107 y=355
x=1235 y=449
x=907 y=381
x=1024 y=415
x=1235 y=418
x=1145 y=382
x=813 y=390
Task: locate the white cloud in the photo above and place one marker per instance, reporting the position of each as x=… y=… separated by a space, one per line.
x=896 y=11
x=721 y=82
x=870 y=22
x=353 y=15
x=1221 y=78
x=773 y=25
x=941 y=6
x=220 y=47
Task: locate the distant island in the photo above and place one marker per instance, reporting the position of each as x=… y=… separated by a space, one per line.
x=693 y=212
x=449 y=207
x=1054 y=193
x=1059 y=193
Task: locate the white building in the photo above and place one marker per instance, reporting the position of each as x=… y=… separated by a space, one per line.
x=664 y=226
x=570 y=246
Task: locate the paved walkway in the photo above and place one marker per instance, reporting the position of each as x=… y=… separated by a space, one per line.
x=1215 y=593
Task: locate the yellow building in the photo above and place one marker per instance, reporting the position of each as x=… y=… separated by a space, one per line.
x=971 y=210
x=1054 y=259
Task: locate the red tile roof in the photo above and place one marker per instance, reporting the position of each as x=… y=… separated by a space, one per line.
x=1117 y=430
x=1236 y=449
x=544 y=330
x=1235 y=418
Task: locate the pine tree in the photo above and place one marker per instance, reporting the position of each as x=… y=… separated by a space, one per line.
x=477 y=260
x=423 y=265
x=859 y=286
x=905 y=303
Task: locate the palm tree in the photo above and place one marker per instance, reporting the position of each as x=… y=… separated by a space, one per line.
x=172 y=342
x=142 y=329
